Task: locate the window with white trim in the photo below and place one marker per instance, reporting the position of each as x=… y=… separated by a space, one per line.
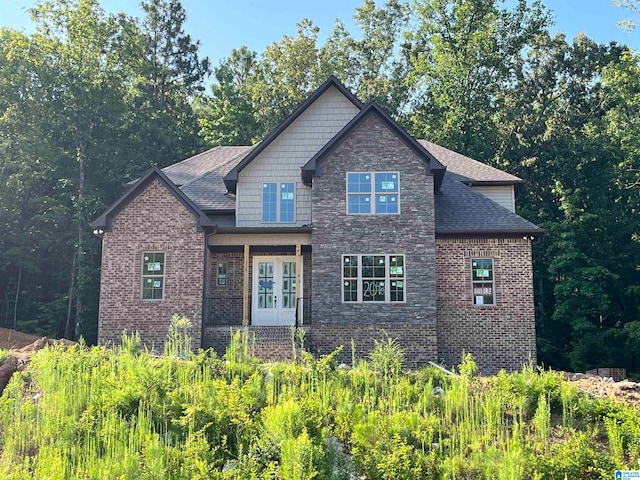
x=278 y=202
x=373 y=278
x=373 y=193
x=483 y=282
x=152 y=275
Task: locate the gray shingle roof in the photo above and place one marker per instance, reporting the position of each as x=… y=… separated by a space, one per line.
x=468 y=168
x=195 y=167
x=458 y=208
x=208 y=190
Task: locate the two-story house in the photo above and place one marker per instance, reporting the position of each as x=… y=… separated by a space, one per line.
x=338 y=222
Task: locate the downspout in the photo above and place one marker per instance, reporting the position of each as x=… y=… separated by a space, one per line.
x=204 y=285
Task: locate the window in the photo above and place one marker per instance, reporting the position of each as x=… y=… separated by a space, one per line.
x=377 y=193
x=152 y=276
x=222 y=273
x=373 y=278
x=278 y=202
x=483 y=281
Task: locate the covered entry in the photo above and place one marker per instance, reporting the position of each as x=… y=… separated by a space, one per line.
x=276 y=290
x=263 y=282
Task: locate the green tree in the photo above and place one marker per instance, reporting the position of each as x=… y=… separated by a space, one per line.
x=227 y=116
x=468 y=52
x=170 y=74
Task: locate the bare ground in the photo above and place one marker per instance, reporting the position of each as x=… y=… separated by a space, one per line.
x=12 y=339
x=22 y=346
x=605 y=387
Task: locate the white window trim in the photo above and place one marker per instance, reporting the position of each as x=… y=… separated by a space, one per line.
x=143 y=276
x=372 y=194
x=278 y=199
x=493 y=282
x=387 y=279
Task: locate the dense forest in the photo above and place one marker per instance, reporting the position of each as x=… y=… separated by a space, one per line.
x=91 y=100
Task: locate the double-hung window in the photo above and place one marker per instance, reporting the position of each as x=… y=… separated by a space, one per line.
x=278 y=202
x=373 y=278
x=373 y=193
x=483 y=282
x=152 y=275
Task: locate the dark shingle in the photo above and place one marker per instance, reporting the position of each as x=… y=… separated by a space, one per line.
x=458 y=208
x=195 y=167
x=466 y=167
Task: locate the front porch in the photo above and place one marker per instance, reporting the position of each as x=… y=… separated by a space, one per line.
x=259 y=279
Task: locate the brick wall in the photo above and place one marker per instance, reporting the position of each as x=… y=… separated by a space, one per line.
x=417 y=340
x=224 y=302
x=155 y=220
x=372 y=147
x=500 y=336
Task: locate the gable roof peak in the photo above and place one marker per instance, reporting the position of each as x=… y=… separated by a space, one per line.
x=433 y=166
x=103 y=222
x=231 y=179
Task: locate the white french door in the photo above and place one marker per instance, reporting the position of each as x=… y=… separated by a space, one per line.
x=274 y=291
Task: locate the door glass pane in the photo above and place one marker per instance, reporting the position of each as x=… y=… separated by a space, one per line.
x=288 y=284
x=265 y=285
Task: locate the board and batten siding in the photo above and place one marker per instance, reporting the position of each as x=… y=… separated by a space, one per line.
x=502 y=195
x=281 y=160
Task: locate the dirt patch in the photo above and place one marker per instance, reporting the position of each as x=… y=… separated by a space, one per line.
x=19 y=358
x=11 y=339
x=605 y=387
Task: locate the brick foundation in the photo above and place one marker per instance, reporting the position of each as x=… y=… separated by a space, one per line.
x=265 y=343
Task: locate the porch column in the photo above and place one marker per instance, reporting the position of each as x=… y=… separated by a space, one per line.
x=298 y=284
x=245 y=287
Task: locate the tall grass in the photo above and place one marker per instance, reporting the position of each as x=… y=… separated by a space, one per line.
x=123 y=414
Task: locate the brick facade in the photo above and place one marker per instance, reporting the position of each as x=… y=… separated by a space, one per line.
x=372 y=147
x=155 y=220
x=500 y=336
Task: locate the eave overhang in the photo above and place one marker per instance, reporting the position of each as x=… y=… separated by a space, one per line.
x=526 y=233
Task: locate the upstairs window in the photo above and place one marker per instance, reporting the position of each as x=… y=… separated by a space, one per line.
x=373 y=193
x=483 y=281
x=278 y=202
x=152 y=275
x=373 y=278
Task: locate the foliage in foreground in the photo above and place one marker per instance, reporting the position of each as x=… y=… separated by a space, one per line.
x=118 y=413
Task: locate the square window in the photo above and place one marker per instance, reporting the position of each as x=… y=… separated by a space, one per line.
x=278 y=202
x=373 y=193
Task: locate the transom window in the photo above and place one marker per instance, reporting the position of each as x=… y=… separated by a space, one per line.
x=483 y=281
x=373 y=278
x=377 y=193
x=152 y=275
x=278 y=202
